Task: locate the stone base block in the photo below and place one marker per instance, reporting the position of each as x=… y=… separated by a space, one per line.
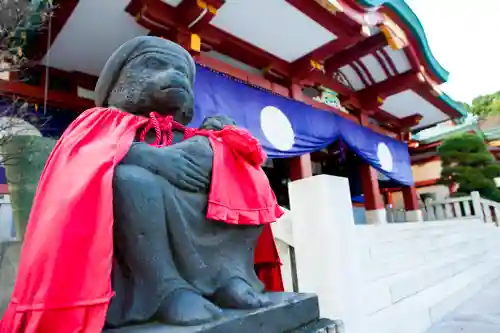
x=290 y=313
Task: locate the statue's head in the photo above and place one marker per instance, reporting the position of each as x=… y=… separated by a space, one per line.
x=149 y=74
x=217 y=123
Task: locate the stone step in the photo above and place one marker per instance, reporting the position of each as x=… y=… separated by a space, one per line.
x=290 y=313
x=432 y=302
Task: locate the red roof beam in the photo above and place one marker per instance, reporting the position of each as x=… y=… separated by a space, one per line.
x=333 y=20
x=302 y=67
x=161 y=17
x=432 y=96
x=385 y=118
x=391 y=86
x=426 y=147
x=367 y=46
x=320 y=79
x=410 y=121
x=372 y=95
x=37 y=94
x=197 y=14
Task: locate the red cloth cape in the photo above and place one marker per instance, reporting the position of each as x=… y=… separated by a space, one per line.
x=63 y=283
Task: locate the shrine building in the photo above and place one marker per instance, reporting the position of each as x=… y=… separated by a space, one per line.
x=328 y=86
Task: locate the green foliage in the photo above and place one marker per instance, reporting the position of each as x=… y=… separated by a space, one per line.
x=486 y=105
x=466 y=106
x=466 y=161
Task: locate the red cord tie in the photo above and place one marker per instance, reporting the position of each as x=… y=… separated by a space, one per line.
x=239 y=140
x=164 y=127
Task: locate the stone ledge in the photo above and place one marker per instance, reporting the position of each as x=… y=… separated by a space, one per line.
x=290 y=312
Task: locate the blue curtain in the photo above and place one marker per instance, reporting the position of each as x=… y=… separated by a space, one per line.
x=287 y=128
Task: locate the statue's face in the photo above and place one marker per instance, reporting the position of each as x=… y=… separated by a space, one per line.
x=156 y=82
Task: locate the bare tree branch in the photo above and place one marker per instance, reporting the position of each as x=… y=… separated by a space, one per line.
x=19 y=18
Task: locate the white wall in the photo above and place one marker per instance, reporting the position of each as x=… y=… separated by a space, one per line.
x=426 y=171
x=394 y=278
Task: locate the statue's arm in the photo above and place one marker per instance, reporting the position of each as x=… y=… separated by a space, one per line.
x=187 y=165
x=143 y=155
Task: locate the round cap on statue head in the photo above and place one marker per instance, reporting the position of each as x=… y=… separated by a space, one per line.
x=136 y=47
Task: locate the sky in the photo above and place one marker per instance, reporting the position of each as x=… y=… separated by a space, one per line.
x=464 y=38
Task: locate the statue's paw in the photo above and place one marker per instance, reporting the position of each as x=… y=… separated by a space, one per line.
x=238 y=294
x=186 y=308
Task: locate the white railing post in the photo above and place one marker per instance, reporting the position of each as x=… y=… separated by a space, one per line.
x=476 y=204
x=430 y=211
x=497 y=216
x=323 y=227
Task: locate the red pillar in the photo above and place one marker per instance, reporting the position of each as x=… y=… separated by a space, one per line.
x=410 y=197
x=388 y=199
x=413 y=212
x=371 y=190
x=374 y=204
x=301 y=166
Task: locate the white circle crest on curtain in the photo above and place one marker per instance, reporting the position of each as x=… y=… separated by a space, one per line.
x=384 y=156
x=277 y=128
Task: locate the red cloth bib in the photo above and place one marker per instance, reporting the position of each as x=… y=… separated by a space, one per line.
x=240 y=192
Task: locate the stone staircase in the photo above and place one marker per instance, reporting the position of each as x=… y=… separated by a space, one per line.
x=416 y=274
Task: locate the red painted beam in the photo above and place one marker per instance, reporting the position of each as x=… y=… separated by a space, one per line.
x=426 y=92
x=426 y=147
x=301 y=68
x=338 y=23
x=38 y=48
x=367 y=46
x=194 y=15
x=78 y=79
x=330 y=83
x=162 y=18
x=388 y=120
x=37 y=95
x=390 y=86
x=410 y=121
x=414 y=45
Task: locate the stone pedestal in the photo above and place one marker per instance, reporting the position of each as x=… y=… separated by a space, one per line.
x=414 y=216
x=290 y=313
x=376 y=216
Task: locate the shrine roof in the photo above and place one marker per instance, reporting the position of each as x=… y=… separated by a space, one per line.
x=373 y=51
x=406 y=15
